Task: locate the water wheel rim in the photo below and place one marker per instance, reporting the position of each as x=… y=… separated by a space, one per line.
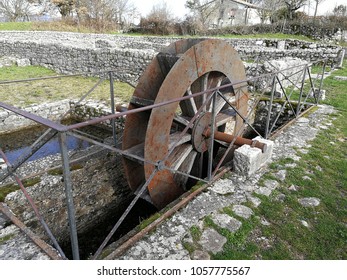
x=209 y=56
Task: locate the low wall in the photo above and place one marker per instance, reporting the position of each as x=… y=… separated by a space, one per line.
x=10 y=122
x=129 y=56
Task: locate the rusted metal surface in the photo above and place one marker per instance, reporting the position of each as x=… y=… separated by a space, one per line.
x=239 y=141
x=54 y=255
x=181 y=70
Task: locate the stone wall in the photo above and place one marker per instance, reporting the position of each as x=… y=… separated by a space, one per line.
x=93 y=109
x=10 y=122
x=67 y=52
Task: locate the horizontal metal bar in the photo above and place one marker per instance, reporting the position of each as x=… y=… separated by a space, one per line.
x=33 y=117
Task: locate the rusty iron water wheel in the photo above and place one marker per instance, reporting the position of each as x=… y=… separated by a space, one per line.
x=183 y=68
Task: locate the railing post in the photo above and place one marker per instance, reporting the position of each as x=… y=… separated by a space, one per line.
x=113 y=121
x=321 y=82
x=69 y=195
x=213 y=128
x=267 y=127
x=298 y=107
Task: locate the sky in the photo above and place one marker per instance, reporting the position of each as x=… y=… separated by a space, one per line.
x=178 y=9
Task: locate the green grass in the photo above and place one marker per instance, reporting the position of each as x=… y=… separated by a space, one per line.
x=286 y=237
x=15 y=26
x=36 y=92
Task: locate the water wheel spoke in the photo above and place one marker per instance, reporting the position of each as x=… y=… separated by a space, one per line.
x=188 y=106
x=179 y=155
x=177 y=139
x=186 y=167
x=225 y=116
x=181 y=120
x=137 y=150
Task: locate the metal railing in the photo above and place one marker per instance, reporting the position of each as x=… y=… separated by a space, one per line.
x=304 y=88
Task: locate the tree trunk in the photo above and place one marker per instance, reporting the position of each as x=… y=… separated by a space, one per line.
x=315 y=11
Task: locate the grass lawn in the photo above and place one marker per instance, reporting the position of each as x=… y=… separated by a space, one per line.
x=294 y=231
x=36 y=92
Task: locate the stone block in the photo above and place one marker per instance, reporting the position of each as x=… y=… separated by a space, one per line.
x=281 y=45
x=267 y=154
x=247 y=159
x=23 y=62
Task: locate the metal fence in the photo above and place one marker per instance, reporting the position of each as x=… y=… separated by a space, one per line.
x=304 y=92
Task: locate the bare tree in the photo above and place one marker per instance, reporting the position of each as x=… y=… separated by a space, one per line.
x=203 y=10
x=268 y=9
x=161 y=11
x=293 y=6
x=340 y=11
x=14 y=10
x=317 y=2
x=102 y=11
x=65 y=7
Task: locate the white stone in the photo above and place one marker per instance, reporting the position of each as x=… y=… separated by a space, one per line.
x=304 y=223
x=242 y=211
x=281 y=175
x=247 y=159
x=227 y=222
x=212 y=241
x=255 y=201
x=271 y=184
x=293 y=188
x=23 y=62
x=263 y=191
x=223 y=186
x=309 y=201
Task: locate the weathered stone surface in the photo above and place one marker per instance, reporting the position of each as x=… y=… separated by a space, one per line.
x=293 y=188
x=223 y=186
x=212 y=241
x=23 y=62
x=227 y=222
x=17 y=246
x=247 y=160
x=281 y=175
x=242 y=211
x=309 y=201
x=200 y=255
x=263 y=191
x=255 y=201
x=271 y=184
x=67 y=52
x=340 y=78
x=11 y=122
x=306 y=178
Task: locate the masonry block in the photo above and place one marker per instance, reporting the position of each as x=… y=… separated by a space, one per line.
x=247 y=159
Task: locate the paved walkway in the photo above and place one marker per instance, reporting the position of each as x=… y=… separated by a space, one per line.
x=166 y=242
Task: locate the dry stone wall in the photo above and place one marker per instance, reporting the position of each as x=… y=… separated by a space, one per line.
x=129 y=55
x=10 y=121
